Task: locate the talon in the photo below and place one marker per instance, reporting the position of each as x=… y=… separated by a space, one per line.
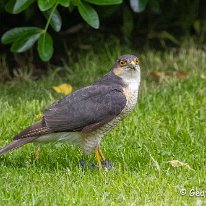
x=107 y=164
x=81 y=163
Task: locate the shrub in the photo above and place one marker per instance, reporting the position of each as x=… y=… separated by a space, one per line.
x=23 y=38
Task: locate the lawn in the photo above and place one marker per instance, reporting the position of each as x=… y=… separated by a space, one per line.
x=168 y=123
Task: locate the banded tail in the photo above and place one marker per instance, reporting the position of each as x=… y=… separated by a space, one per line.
x=26 y=136
x=16 y=144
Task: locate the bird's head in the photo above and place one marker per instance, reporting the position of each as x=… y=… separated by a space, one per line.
x=127 y=67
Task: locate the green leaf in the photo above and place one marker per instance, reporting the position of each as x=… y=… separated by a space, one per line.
x=64 y=3
x=138 y=5
x=45 y=47
x=18 y=33
x=46 y=4
x=155 y=6
x=104 y=2
x=23 y=44
x=89 y=14
x=56 y=21
x=17 y=6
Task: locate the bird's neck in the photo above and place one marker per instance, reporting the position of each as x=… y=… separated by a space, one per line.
x=132 y=81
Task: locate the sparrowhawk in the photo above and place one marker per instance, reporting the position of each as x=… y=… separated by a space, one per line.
x=86 y=115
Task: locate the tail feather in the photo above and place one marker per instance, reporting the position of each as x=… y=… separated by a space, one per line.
x=27 y=135
x=16 y=144
x=36 y=129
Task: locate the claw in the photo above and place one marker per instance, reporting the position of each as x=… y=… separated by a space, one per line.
x=107 y=165
x=103 y=164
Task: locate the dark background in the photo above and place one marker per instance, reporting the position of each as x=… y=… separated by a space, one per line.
x=161 y=25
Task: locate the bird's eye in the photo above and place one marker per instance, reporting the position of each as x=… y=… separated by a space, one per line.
x=137 y=61
x=122 y=63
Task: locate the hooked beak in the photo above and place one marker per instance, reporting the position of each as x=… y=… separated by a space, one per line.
x=132 y=65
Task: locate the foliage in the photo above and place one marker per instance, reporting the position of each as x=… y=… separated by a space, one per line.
x=140 y=5
x=23 y=38
x=137 y=21
x=166 y=21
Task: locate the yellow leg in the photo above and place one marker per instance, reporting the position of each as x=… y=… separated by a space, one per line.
x=98 y=156
x=37 y=154
x=101 y=154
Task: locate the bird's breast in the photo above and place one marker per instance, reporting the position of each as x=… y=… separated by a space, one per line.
x=131 y=94
x=92 y=139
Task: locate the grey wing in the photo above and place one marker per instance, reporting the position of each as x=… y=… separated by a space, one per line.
x=86 y=109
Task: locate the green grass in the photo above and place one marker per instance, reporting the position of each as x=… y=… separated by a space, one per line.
x=169 y=123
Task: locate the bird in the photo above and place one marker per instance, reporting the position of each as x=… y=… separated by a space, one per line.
x=86 y=115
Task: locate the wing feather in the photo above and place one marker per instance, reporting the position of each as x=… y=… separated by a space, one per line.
x=91 y=106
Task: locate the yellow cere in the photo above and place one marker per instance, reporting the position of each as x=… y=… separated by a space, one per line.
x=137 y=61
x=63 y=88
